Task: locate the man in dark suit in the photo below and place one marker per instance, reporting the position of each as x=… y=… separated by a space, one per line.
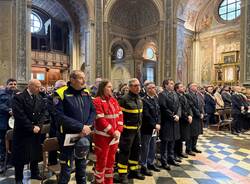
x=29 y=113
x=237 y=110
x=210 y=105
x=185 y=120
x=150 y=125
x=170 y=130
x=196 y=125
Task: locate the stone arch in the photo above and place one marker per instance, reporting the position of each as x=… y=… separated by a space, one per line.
x=143 y=43
x=122 y=41
x=110 y=3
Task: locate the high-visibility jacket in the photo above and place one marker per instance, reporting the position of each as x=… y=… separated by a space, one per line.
x=109 y=117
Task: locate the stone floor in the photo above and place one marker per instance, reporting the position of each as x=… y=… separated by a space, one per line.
x=225 y=160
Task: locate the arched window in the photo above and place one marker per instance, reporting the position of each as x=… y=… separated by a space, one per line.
x=35 y=23
x=229 y=9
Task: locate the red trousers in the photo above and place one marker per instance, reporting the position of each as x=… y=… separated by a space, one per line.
x=105 y=158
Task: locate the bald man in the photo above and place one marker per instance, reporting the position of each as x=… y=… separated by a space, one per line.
x=29 y=113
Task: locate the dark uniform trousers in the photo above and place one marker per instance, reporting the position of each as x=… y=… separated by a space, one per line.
x=19 y=170
x=191 y=143
x=66 y=168
x=167 y=151
x=129 y=151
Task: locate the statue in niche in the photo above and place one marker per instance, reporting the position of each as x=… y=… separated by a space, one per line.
x=219 y=75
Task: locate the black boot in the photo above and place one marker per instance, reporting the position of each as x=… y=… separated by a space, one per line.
x=153 y=168
x=123 y=178
x=146 y=172
x=136 y=175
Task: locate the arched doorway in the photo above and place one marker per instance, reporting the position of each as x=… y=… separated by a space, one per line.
x=130 y=22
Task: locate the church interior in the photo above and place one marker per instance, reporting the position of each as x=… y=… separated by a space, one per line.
x=201 y=41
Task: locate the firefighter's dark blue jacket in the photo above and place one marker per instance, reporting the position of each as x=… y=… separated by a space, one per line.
x=74 y=109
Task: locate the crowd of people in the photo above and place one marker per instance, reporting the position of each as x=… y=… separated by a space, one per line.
x=123 y=125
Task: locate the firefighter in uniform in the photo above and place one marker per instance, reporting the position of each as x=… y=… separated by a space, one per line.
x=108 y=128
x=75 y=113
x=129 y=145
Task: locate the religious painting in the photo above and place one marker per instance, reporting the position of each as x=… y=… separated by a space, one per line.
x=229 y=74
x=229 y=57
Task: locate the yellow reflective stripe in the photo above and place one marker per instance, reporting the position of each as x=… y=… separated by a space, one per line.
x=135 y=111
x=130 y=127
x=86 y=90
x=99 y=116
x=107 y=128
x=122 y=171
x=68 y=163
x=133 y=162
x=69 y=95
x=122 y=166
x=132 y=168
x=61 y=129
x=60 y=91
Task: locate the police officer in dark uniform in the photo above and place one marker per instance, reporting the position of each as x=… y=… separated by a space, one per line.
x=29 y=113
x=75 y=114
x=129 y=145
x=170 y=128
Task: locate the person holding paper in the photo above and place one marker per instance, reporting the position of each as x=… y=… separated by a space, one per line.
x=108 y=128
x=150 y=126
x=75 y=114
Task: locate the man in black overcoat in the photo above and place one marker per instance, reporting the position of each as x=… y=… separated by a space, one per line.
x=185 y=120
x=198 y=114
x=29 y=113
x=170 y=130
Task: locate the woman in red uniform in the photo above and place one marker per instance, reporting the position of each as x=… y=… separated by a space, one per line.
x=108 y=128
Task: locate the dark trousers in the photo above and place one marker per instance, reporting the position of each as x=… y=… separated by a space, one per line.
x=210 y=119
x=19 y=170
x=237 y=122
x=191 y=143
x=129 y=153
x=66 y=167
x=2 y=145
x=178 y=147
x=147 y=149
x=167 y=151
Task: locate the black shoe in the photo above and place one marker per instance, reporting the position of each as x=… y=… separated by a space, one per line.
x=190 y=153
x=166 y=167
x=145 y=171
x=136 y=175
x=153 y=168
x=196 y=150
x=177 y=159
x=123 y=178
x=183 y=155
x=234 y=133
x=36 y=177
x=174 y=163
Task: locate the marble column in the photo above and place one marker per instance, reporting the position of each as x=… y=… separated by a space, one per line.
x=245 y=43
x=99 y=38
x=7 y=41
x=23 y=43
x=169 y=40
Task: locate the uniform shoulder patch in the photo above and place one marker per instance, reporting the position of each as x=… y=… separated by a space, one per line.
x=56 y=100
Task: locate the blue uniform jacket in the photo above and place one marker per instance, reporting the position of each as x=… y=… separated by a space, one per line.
x=74 y=109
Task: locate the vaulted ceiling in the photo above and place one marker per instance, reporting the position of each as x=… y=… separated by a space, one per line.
x=134 y=14
x=73 y=11
x=189 y=11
